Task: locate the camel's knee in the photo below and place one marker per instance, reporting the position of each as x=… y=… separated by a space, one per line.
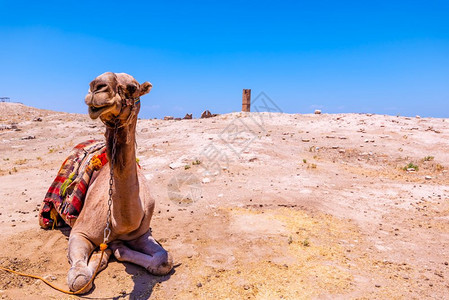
x=121 y=252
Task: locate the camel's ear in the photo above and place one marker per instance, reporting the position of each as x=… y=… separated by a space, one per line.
x=145 y=88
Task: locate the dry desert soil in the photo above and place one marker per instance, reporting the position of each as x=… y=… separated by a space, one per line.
x=251 y=205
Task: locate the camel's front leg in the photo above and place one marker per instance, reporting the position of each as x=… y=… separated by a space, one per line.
x=145 y=252
x=80 y=249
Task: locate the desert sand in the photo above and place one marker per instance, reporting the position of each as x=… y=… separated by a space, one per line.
x=251 y=205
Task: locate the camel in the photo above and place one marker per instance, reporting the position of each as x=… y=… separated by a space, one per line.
x=115 y=99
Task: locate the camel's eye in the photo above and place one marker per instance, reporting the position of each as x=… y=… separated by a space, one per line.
x=131 y=88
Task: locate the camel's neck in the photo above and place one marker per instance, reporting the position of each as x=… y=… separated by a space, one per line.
x=127 y=211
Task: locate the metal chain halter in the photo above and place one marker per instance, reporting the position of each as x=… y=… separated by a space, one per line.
x=107 y=230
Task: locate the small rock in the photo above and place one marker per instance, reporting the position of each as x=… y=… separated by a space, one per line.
x=167 y=118
x=317 y=112
x=335 y=147
x=220 y=195
x=199 y=284
x=144 y=130
x=38 y=119
x=342 y=151
x=206 y=180
x=246 y=287
x=411 y=170
x=418 y=117
x=188 y=117
x=30 y=137
x=176 y=165
x=305 y=140
x=428 y=177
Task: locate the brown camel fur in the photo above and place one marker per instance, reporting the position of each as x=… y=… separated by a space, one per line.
x=114 y=98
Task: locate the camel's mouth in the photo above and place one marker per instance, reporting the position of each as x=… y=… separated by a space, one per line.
x=95 y=112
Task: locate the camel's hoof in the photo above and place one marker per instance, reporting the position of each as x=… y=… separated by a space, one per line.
x=78 y=277
x=163 y=263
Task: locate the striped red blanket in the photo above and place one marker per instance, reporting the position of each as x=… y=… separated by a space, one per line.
x=65 y=197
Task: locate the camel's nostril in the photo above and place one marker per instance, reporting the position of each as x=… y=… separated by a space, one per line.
x=100 y=88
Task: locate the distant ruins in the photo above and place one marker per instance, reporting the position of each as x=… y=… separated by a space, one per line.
x=246 y=100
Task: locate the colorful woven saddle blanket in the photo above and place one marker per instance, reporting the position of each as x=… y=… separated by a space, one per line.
x=65 y=197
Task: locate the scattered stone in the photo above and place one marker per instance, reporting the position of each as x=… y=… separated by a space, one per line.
x=428 y=177
x=38 y=119
x=317 y=112
x=30 y=137
x=50 y=277
x=188 y=117
x=176 y=165
x=167 y=118
x=206 y=114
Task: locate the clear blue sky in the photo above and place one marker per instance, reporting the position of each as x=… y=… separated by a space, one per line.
x=387 y=57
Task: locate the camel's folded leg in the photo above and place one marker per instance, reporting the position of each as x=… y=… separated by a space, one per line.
x=157 y=262
x=95 y=260
x=80 y=249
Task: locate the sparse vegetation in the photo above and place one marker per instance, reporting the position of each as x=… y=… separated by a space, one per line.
x=290 y=240
x=196 y=162
x=186 y=167
x=304 y=160
x=410 y=166
x=313 y=166
x=439 y=168
x=428 y=158
x=306 y=242
x=21 y=161
x=39 y=158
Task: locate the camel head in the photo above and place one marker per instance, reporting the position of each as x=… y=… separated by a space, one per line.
x=113 y=97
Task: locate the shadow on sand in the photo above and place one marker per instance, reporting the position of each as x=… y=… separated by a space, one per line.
x=144 y=283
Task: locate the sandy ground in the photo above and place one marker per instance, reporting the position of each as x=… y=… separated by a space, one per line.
x=279 y=207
